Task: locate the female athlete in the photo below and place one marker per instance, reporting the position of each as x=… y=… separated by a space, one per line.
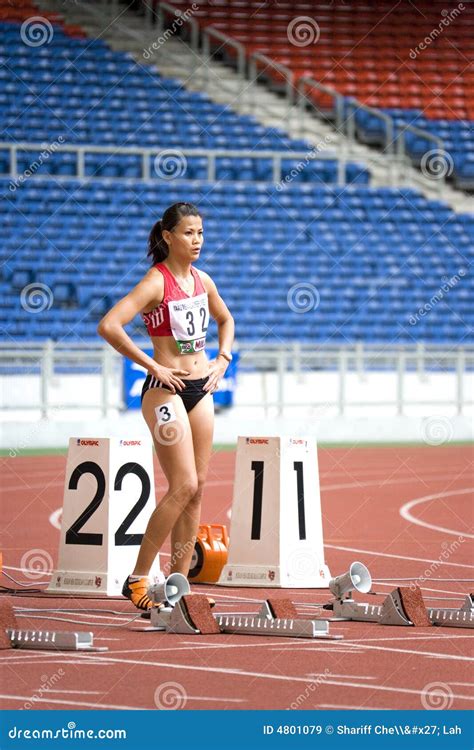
x=175 y=301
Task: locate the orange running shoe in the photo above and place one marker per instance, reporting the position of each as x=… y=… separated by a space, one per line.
x=136 y=591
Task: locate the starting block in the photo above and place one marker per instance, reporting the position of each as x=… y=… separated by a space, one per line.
x=46 y=640
x=396 y=611
x=192 y=615
x=210 y=554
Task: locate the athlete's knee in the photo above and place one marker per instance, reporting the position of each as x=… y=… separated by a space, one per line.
x=195 y=500
x=184 y=491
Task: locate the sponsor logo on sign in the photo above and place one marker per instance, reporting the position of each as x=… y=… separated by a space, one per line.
x=229 y=574
x=78 y=581
x=293 y=441
x=256 y=441
x=130 y=442
x=271 y=575
x=251 y=576
x=80 y=441
x=98 y=581
x=58 y=580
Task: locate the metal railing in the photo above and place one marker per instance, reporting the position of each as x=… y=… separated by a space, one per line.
x=394 y=138
x=256 y=60
x=181 y=156
x=307 y=82
x=48 y=361
x=226 y=41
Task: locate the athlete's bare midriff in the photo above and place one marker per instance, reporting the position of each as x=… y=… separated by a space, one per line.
x=166 y=354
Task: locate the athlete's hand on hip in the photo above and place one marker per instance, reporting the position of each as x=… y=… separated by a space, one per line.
x=217 y=368
x=168 y=376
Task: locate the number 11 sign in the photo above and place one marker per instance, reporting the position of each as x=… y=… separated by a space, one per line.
x=276 y=535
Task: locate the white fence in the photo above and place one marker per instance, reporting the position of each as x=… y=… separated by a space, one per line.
x=281 y=381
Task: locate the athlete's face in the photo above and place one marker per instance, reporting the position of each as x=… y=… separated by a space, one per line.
x=187 y=237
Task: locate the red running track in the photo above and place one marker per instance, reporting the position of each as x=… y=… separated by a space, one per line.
x=373 y=667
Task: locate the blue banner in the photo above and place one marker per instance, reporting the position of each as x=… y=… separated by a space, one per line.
x=134 y=377
x=234 y=730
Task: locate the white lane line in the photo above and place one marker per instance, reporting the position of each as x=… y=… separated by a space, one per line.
x=382 y=483
x=317 y=675
x=75 y=692
x=29 y=699
x=397 y=557
x=405 y=511
x=260 y=675
x=344 y=706
x=431 y=654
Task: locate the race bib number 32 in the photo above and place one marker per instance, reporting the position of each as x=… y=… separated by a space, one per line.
x=189 y=319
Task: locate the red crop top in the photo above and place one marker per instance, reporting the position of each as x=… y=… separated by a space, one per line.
x=179 y=315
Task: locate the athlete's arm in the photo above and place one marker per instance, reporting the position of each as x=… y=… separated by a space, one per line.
x=225 y=329
x=111 y=327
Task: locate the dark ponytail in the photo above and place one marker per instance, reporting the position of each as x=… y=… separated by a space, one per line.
x=157 y=247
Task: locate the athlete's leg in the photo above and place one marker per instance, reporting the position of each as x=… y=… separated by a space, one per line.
x=201 y=419
x=173 y=442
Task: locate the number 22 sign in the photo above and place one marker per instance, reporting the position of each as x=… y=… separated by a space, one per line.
x=109 y=495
